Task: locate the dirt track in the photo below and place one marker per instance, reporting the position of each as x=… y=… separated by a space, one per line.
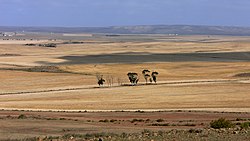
x=189 y=82
x=204 y=95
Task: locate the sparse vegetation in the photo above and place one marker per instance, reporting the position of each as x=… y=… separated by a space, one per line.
x=221 y=123
x=110 y=80
x=105 y=120
x=189 y=124
x=54 y=78
x=52 y=45
x=137 y=120
x=195 y=131
x=160 y=120
x=245 y=125
x=112 y=120
x=160 y=124
x=192 y=134
x=140 y=111
x=22 y=116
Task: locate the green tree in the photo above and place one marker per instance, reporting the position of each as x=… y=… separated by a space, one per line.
x=154 y=75
x=146 y=75
x=133 y=78
x=100 y=80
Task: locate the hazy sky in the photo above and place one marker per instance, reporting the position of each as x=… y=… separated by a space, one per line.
x=124 y=12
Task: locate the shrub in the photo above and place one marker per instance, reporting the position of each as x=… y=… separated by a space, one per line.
x=221 y=123
x=21 y=116
x=245 y=125
x=146 y=131
x=189 y=124
x=139 y=111
x=157 y=124
x=194 y=131
x=159 y=120
x=105 y=120
x=113 y=120
x=137 y=120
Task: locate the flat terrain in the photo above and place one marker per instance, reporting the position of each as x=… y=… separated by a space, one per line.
x=23 y=124
x=197 y=73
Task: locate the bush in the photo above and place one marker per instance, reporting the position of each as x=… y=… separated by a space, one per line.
x=221 y=123
x=157 y=124
x=137 y=120
x=245 y=125
x=195 y=131
x=21 y=116
x=189 y=124
x=105 y=120
x=159 y=120
x=113 y=120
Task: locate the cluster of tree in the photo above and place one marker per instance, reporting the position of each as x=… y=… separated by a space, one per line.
x=148 y=77
x=42 y=45
x=47 y=45
x=132 y=76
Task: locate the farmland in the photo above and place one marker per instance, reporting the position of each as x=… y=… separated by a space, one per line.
x=206 y=75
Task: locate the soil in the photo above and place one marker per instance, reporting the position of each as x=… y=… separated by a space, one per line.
x=27 y=124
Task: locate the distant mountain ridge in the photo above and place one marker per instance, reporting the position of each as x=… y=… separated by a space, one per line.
x=142 y=29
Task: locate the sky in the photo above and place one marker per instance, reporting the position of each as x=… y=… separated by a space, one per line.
x=101 y=13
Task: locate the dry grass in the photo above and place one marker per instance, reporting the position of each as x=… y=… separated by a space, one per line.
x=131 y=98
x=71 y=86
x=181 y=84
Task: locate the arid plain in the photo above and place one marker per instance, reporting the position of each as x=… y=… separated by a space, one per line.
x=196 y=73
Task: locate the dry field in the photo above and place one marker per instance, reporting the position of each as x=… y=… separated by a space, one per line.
x=197 y=73
x=22 y=124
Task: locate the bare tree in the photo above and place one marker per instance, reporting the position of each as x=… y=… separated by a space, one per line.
x=110 y=80
x=119 y=81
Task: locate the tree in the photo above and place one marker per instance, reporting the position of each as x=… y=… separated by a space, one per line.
x=146 y=75
x=154 y=75
x=110 y=80
x=100 y=80
x=133 y=78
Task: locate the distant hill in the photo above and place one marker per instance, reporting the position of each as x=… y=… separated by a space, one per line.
x=143 y=29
